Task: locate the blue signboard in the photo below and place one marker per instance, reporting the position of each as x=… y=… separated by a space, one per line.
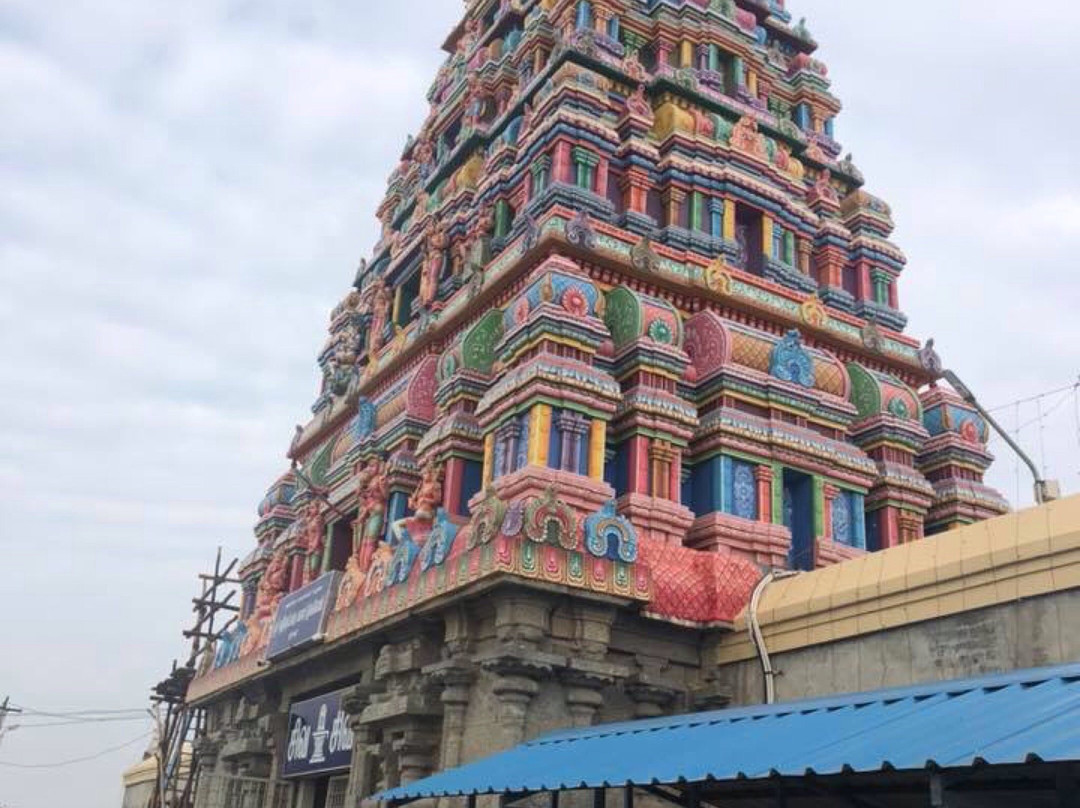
x=319 y=739
x=301 y=616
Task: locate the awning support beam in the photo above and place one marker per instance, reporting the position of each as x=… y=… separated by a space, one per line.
x=850 y=799
x=667 y=796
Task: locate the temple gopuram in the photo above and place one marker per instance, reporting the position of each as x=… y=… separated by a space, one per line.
x=631 y=339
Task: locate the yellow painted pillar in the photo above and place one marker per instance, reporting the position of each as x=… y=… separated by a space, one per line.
x=767 y=237
x=539 y=435
x=397 y=305
x=597 y=449
x=687 y=56
x=729 y=219
x=489 y=458
x=751 y=82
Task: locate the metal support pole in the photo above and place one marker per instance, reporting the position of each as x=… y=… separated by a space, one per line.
x=1042 y=489
x=937 y=792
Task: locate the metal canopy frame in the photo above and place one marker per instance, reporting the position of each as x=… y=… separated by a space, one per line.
x=1029 y=785
x=1000 y=741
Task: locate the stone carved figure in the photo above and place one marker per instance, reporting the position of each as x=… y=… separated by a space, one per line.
x=790 y=361
x=314 y=541
x=273 y=586
x=638 y=104
x=746 y=137
x=428 y=495
x=475 y=250
x=382 y=299
x=374 y=491
x=434 y=263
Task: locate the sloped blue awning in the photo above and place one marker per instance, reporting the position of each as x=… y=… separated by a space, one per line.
x=1020 y=719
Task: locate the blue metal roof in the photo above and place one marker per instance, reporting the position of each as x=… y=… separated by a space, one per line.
x=1008 y=719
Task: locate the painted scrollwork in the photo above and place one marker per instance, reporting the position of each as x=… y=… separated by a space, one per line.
x=611 y=536
x=549 y=520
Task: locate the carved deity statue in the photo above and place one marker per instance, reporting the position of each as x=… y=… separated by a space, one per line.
x=476 y=248
x=314 y=541
x=382 y=299
x=373 y=492
x=429 y=493
x=638 y=104
x=434 y=263
x=424 y=154
x=273 y=586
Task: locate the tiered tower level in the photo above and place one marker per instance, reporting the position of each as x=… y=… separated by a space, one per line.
x=632 y=327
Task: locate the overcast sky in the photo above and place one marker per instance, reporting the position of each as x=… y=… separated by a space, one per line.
x=186 y=189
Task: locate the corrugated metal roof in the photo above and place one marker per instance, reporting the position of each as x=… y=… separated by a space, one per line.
x=1006 y=719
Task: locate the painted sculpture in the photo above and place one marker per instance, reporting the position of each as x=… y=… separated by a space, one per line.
x=371 y=515
x=314 y=541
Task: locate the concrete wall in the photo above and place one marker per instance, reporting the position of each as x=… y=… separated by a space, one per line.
x=1024 y=634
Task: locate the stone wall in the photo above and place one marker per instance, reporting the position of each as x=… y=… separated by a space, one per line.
x=458 y=684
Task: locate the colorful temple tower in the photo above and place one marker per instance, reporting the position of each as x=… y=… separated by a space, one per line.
x=631 y=334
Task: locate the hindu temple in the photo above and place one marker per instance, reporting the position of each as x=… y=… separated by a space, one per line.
x=631 y=338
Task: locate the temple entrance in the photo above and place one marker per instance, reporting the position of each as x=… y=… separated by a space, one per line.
x=799 y=518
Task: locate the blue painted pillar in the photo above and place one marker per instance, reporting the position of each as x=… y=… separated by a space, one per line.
x=397 y=508
x=858 y=519
x=716 y=217
x=584 y=15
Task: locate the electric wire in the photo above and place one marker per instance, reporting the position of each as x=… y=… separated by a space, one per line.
x=78 y=713
x=61 y=763
x=80 y=722
x=1035 y=397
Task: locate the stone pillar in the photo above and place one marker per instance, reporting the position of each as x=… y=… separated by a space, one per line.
x=635 y=185
x=597 y=449
x=515 y=692
x=583 y=697
x=415 y=753
x=673 y=199
x=664 y=49
x=206 y=752
x=730 y=216
x=296 y=571
x=562 y=165
x=600 y=181
x=763 y=475
x=675 y=483
x=456 y=677
x=600 y=20
x=890 y=527
x=767 y=237
x=831 y=492
x=637 y=472
x=716 y=217
x=802 y=248
x=362 y=774
x=651 y=700
x=453 y=479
